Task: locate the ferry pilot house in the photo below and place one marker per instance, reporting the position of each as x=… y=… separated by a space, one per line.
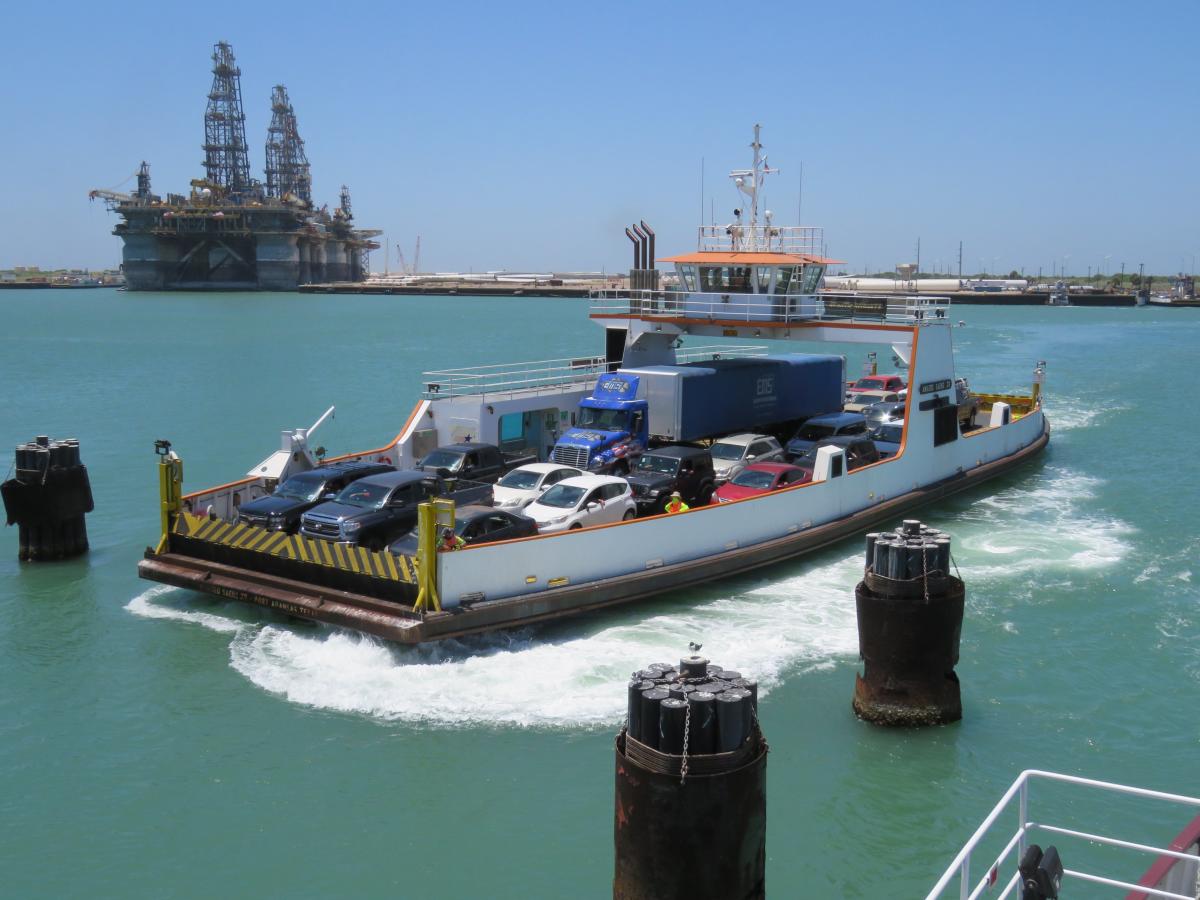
x=780 y=281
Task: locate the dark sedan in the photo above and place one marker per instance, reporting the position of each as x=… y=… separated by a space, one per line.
x=477 y=525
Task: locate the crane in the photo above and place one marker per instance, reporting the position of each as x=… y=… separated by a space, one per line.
x=113 y=197
x=405 y=269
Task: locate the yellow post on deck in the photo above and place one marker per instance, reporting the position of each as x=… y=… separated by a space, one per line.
x=432 y=517
x=170 y=488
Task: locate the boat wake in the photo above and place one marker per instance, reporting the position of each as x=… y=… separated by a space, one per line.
x=153 y=604
x=778 y=625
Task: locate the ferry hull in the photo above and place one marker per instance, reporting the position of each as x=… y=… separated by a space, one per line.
x=396 y=622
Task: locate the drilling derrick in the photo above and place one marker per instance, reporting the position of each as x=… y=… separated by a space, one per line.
x=225 y=159
x=287 y=165
x=231 y=232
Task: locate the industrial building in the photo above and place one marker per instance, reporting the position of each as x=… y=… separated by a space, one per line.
x=231 y=231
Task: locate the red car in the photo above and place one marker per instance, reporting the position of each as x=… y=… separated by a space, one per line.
x=877 y=383
x=759 y=478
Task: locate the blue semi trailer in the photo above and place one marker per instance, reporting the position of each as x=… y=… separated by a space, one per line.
x=632 y=409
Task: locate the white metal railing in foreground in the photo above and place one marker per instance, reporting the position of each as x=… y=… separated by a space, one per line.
x=548 y=376
x=893 y=309
x=960 y=869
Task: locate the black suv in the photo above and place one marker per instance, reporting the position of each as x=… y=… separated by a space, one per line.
x=281 y=510
x=659 y=472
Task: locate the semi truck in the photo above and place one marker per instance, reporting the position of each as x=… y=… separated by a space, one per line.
x=631 y=410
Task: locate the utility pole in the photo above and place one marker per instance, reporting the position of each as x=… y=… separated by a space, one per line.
x=960 y=259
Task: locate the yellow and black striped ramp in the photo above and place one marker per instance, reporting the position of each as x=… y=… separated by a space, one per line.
x=360 y=561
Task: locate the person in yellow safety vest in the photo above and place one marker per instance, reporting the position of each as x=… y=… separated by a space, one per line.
x=450 y=541
x=676 y=504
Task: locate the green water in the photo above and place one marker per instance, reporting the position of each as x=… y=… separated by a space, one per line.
x=160 y=743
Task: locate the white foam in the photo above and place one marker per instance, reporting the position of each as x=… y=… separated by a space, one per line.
x=143 y=605
x=1069 y=414
x=1044 y=524
x=776 y=628
x=803 y=621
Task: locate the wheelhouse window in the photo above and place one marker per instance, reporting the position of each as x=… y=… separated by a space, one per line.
x=687 y=277
x=712 y=279
x=783 y=280
x=725 y=279
x=763 y=274
x=811 y=278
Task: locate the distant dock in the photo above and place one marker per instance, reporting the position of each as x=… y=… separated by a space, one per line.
x=549 y=288
x=582 y=289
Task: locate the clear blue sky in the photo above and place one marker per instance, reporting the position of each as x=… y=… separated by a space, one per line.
x=525 y=136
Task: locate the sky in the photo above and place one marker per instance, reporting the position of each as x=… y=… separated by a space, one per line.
x=526 y=136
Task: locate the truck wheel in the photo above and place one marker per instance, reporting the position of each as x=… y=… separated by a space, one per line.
x=374 y=544
x=629 y=514
x=705 y=496
x=621 y=469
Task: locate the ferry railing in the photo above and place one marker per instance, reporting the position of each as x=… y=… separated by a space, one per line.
x=549 y=376
x=1183 y=849
x=898 y=309
x=803 y=239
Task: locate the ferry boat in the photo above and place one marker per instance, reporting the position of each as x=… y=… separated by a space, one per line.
x=749 y=281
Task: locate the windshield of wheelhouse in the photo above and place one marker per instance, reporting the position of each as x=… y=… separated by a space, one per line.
x=725 y=279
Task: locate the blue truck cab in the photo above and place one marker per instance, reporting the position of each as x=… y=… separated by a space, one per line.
x=611 y=427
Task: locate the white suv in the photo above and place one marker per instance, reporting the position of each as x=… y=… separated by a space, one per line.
x=582 y=501
x=732 y=454
x=524 y=484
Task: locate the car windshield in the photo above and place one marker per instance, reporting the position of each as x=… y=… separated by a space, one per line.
x=889 y=433
x=815 y=432
x=727 y=451
x=871 y=382
x=519 y=480
x=752 y=479
x=443 y=459
x=368 y=496
x=661 y=465
x=604 y=419
x=878 y=412
x=561 y=496
x=301 y=487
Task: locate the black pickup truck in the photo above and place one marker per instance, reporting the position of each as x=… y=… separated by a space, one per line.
x=661 y=471
x=478 y=462
x=281 y=510
x=375 y=511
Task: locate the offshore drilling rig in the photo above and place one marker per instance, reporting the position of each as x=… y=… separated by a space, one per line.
x=233 y=232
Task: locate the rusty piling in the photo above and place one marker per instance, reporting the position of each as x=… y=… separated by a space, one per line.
x=691 y=817
x=47 y=498
x=910 y=612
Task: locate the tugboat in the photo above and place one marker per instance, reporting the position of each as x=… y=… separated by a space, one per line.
x=750 y=281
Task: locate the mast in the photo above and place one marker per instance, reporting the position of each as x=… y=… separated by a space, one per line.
x=750 y=182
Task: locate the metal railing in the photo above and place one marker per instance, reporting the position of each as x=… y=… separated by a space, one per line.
x=960 y=869
x=896 y=309
x=549 y=376
x=762 y=239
